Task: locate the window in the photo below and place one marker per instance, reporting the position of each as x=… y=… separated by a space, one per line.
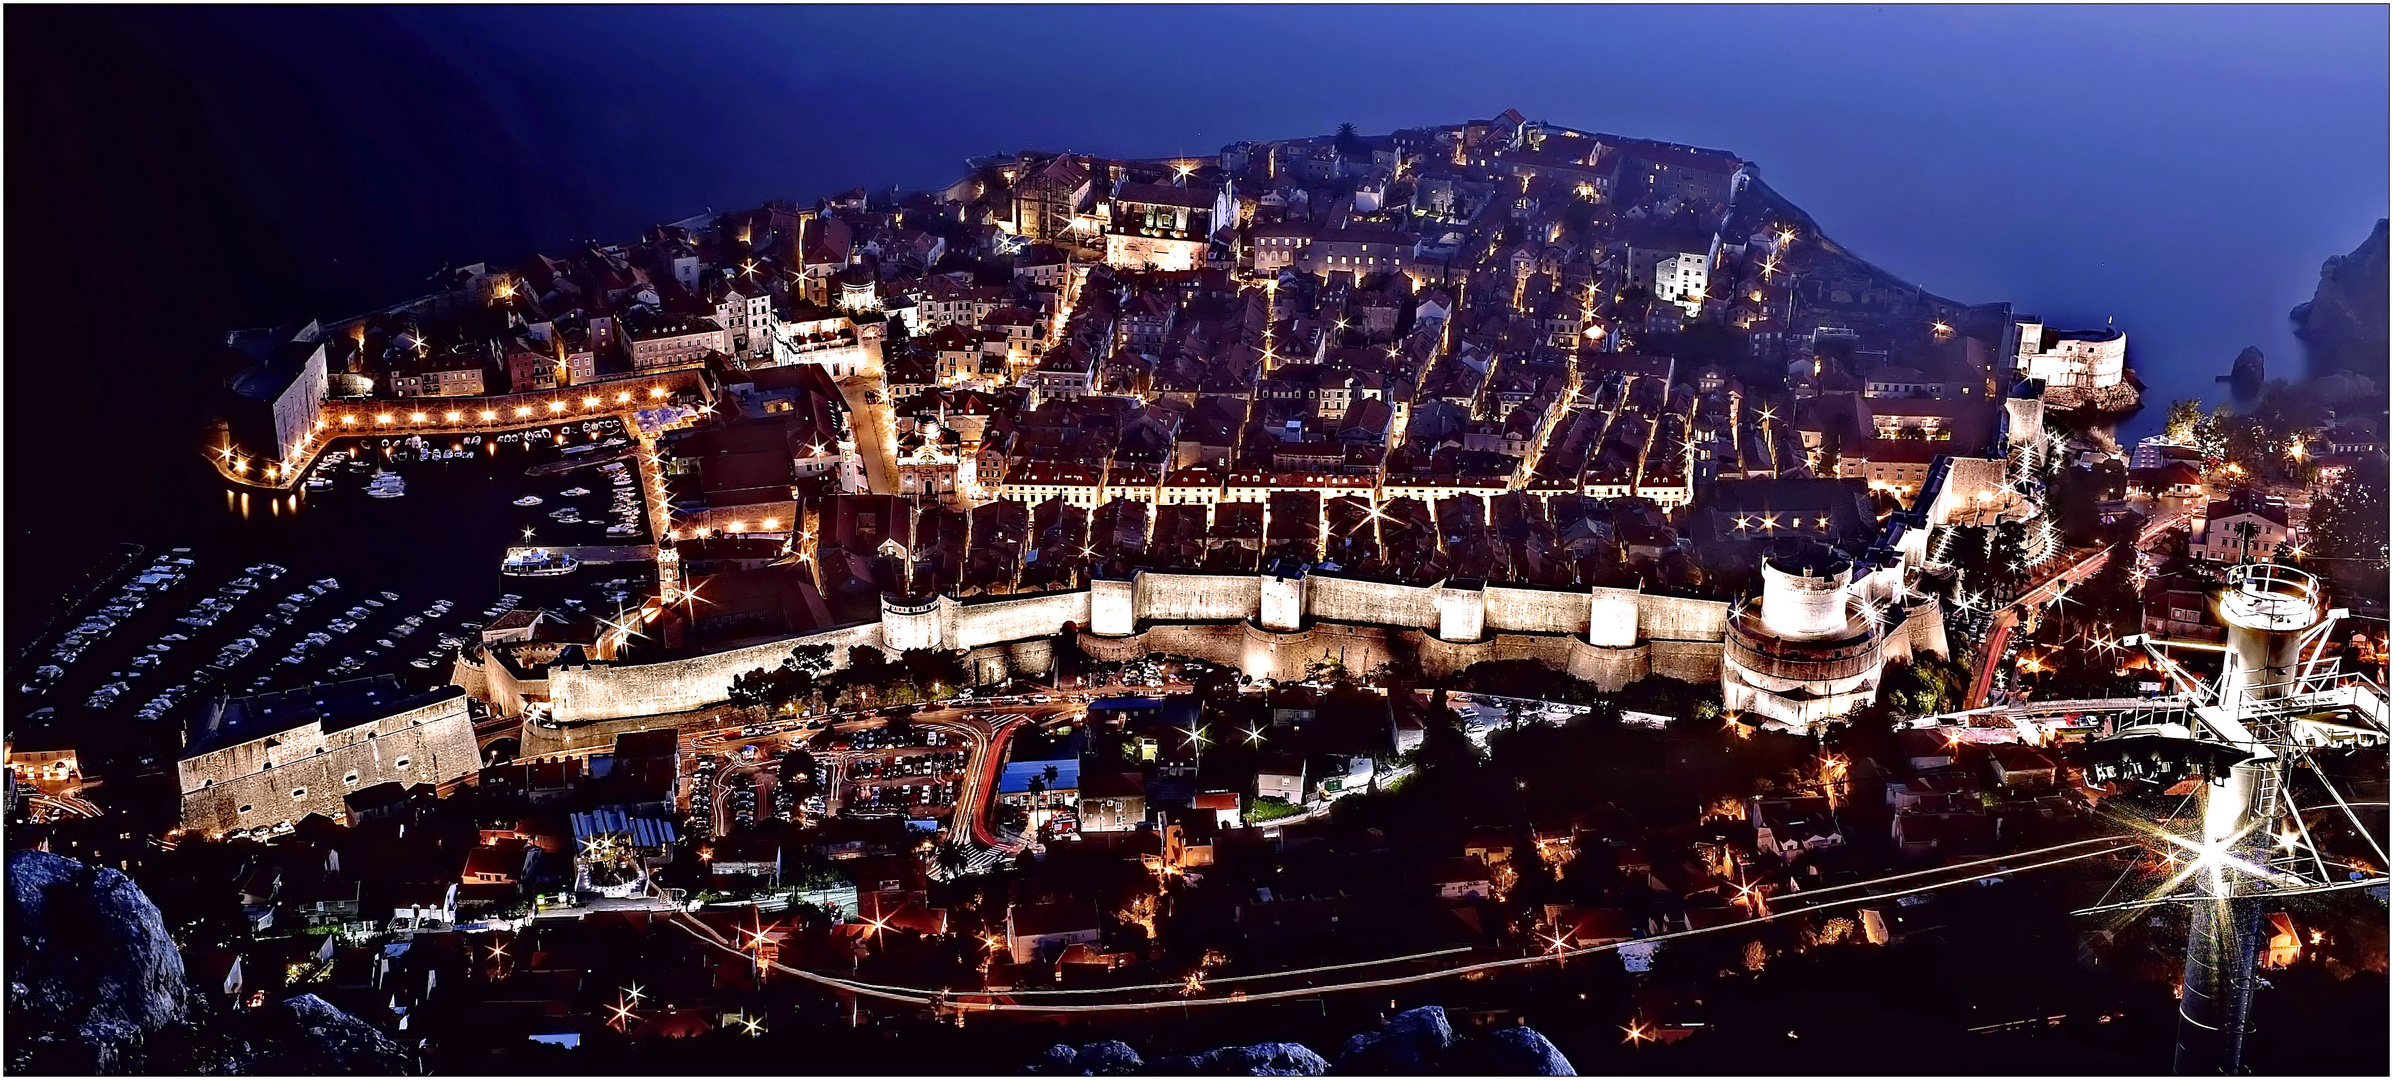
x=244 y=808
x=399 y=764
x=299 y=793
x=349 y=779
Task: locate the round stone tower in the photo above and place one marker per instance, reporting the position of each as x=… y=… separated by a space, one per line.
x=1804 y=596
x=908 y=624
x=1803 y=653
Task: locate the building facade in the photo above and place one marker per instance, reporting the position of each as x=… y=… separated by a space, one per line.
x=255 y=766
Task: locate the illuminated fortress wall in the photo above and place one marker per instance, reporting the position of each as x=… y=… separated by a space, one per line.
x=599 y=691
x=280 y=777
x=1266 y=626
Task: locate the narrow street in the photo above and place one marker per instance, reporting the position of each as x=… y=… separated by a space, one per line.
x=876 y=435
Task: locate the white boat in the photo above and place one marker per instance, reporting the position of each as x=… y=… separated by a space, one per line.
x=528 y=500
x=574 y=492
x=386 y=485
x=539 y=562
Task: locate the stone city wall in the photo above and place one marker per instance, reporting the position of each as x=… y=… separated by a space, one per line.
x=607 y=691
x=1610 y=668
x=1164 y=596
x=1222 y=643
x=1220 y=618
x=542 y=739
x=496 y=683
x=1678 y=618
x=290 y=774
x=1266 y=654
x=1034 y=657
x=1687 y=661
x=981 y=621
x=1346 y=599
x=1536 y=611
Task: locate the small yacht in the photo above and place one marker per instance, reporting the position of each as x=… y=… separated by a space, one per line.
x=539 y=562
x=574 y=492
x=528 y=500
x=386 y=485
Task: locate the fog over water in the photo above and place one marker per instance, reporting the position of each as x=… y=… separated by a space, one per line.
x=178 y=172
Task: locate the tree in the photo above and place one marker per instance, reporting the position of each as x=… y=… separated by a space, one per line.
x=932 y=670
x=1926 y=686
x=2109 y=598
x=2347 y=532
x=1350 y=146
x=2185 y=417
x=1444 y=748
x=813 y=661
x=868 y=670
x=2006 y=559
x=797 y=773
x=752 y=689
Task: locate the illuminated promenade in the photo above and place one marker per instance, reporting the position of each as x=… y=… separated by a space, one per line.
x=369 y=418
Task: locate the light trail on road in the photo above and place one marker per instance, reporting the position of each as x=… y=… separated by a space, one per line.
x=945 y=998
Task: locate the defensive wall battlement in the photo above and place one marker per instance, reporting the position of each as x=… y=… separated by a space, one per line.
x=1265 y=625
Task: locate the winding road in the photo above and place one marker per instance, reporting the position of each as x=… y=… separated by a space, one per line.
x=1998 y=632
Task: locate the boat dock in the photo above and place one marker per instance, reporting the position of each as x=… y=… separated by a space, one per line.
x=592 y=556
x=581 y=461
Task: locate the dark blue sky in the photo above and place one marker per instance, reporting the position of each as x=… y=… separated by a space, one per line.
x=2183 y=169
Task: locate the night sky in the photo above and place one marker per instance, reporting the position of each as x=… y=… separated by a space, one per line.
x=177 y=172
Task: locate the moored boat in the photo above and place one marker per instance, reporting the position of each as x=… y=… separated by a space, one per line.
x=538 y=562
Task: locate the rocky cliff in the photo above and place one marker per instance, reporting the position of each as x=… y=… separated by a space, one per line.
x=1417 y=1042
x=96 y=985
x=92 y=972
x=2344 y=323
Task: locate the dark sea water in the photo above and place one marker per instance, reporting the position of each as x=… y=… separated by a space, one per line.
x=178 y=172
x=391 y=558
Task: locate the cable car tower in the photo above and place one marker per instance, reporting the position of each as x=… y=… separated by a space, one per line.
x=2254 y=734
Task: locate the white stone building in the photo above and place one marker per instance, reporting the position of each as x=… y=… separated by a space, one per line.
x=258 y=765
x=2079 y=359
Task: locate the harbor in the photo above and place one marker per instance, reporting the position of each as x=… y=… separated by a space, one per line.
x=389 y=566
